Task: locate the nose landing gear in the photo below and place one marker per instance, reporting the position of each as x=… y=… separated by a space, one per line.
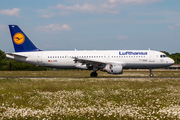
x=151 y=74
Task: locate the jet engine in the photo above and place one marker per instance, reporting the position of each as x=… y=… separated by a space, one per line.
x=114 y=69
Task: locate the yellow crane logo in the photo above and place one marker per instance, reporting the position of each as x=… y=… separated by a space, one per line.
x=19 y=38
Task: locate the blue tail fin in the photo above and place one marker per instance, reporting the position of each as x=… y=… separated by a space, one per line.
x=20 y=41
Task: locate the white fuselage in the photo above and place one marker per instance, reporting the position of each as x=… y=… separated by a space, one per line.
x=130 y=59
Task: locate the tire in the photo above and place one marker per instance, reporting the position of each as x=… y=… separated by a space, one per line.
x=151 y=75
x=93 y=74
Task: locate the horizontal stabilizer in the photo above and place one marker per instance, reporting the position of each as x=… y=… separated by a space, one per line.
x=13 y=55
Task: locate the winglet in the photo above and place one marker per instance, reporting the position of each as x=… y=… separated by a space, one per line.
x=20 y=41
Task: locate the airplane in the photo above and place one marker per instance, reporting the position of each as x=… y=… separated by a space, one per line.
x=110 y=61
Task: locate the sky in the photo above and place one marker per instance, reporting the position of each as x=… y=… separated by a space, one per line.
x=93 y=24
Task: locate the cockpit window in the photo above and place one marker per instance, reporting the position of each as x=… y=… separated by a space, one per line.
x=163 y=56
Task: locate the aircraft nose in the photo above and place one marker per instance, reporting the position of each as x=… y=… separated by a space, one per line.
x=171 y=61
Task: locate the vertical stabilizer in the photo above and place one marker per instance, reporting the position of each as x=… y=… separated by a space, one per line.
x=20 y=41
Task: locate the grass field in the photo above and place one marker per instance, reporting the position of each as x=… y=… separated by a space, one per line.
x=86 y=74
x=89 y=98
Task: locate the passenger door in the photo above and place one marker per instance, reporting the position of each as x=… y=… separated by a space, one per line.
x=151 y=57
x=39 y=59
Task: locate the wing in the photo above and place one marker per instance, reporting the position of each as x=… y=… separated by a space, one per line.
x=94 y=62
x=90 y=62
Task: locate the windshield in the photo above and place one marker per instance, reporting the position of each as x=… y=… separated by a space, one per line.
x=163 y=56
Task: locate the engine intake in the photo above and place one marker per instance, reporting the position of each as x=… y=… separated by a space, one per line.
x=114 y=68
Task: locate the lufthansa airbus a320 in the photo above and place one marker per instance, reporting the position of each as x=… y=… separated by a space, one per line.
x=111 y=61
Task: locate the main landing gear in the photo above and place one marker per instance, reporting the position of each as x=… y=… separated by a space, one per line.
x=151 y=74
x=94 y=73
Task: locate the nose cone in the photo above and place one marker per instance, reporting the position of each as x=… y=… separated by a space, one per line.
x=171 y=61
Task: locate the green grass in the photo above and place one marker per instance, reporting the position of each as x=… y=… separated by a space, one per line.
x=86 y=74
x=90 y=98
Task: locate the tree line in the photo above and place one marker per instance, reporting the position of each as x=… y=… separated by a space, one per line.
x=12 y=65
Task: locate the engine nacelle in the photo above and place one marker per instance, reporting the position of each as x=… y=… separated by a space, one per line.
x=114 y=68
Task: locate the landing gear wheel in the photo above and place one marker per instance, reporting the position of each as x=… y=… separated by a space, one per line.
x=151 y=75
x=93 y=74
